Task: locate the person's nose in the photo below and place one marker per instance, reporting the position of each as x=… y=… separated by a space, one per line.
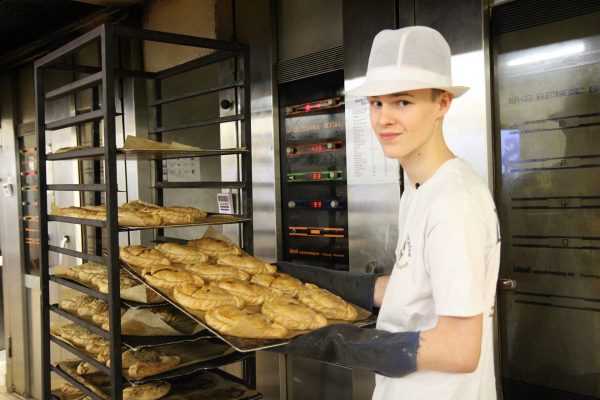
x=386 y=116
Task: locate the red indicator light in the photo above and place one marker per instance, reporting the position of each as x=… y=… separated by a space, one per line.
x=307 y=108
x=314 y=176
x=316 y=204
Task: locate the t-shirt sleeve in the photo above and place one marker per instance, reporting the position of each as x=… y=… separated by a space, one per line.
x=455 y=258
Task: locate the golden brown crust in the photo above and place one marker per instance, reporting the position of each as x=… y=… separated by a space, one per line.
x=142 y=369
x=131 y=356
x=195 y=213
x=167 y=277
x=84 y=368
x=204 y=298
x=181 y=253
x=85 y=272
x=242 y=323
x=72 y=304
x=138 y=218
x=92 y=308
x=142 y=257
x=285 y=284
x=247 y=263
x=327 y=304
x=214 y=247
x=147 y=391
x=252 y=293
x=69 y=390
x=126 y=282
x=292 y=314
x=215 y=272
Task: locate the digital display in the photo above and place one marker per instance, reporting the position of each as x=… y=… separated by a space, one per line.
x=315 y=176
x=316 y=204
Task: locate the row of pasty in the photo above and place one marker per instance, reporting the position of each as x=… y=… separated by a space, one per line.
x=96 y=311
x=147 y=391
x=137 y=213
x=205 y=276
x=137 y=363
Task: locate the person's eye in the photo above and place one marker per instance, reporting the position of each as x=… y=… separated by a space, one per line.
x=404 y=103
x=375 y=103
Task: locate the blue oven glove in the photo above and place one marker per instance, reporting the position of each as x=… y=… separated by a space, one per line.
x=385 y=353
x=355 y=287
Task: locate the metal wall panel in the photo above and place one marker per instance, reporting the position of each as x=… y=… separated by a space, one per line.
x=17 y=378
x=307 y=26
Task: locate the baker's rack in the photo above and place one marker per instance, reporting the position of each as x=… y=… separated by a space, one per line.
x=103 y=81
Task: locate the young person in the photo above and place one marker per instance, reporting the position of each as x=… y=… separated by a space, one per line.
x=433 y=338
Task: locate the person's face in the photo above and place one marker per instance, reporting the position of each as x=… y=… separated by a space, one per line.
x=406 y=122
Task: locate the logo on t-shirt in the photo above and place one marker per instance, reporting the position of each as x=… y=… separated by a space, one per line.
x=405 y=254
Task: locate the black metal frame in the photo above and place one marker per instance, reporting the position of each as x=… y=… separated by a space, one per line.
x=107 y=36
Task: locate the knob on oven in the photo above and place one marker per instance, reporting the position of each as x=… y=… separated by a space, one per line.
x=334 y=204
x=291 y=204
x=290 y=150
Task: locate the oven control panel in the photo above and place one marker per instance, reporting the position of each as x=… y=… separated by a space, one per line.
x=313 y=172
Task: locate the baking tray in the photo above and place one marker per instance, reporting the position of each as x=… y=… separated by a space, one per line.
x=201 y=385
x=211 y=219
x=238 y=343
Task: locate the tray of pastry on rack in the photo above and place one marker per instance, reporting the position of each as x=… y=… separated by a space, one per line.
x=240 y=298
x=148 y=326
x=95 y=276
x=138 y=214
x=204 y=385
x=145 y=364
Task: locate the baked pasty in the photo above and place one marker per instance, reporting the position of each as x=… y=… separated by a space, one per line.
x=181 y=253
x=72 y=305
x=283 y=283
x=252 y=293
x=85 y=272
x=215 y=272
x=327 y=304
x=131 y=356
x=84 y=368
x=193 y=212
x=247 y=263
x=69 y=390
x=138 y=218
x=142 y=257
x=142 y=369
x=126 y=282
x=214 y=247
x=204 y=298
x=292 y=314
x=243 y=323
x=168 y=278
x=147 y=391
x=95 y=306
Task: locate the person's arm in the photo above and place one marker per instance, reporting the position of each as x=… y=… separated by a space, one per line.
x=454 y=345
x=380 y=288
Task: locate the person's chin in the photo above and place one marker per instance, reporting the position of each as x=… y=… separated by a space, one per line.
x=392 y=152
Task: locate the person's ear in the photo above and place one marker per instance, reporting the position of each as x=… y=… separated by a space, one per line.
x=444 y=102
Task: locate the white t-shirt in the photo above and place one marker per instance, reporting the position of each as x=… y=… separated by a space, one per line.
x=447 y=262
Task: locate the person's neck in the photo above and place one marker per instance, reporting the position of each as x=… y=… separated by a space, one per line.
x=423 y=163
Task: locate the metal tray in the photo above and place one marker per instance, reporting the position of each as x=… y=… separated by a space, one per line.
x=238 y=343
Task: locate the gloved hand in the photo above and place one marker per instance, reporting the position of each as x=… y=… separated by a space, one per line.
x=386 y=353
x=355 y=287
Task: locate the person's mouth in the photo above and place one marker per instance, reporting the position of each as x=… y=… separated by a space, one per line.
x=387 y=136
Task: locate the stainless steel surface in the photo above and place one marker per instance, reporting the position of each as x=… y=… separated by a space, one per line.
x=307 y=26
x=372 y=208
x=547 y=93
x=16 y=327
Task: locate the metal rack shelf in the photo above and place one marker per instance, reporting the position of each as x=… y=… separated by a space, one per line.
x=100 y=83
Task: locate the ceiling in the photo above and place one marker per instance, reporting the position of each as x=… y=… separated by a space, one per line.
x=25 y=21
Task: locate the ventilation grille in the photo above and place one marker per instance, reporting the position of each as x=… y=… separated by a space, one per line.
x=310 y=65
x=524 y=14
